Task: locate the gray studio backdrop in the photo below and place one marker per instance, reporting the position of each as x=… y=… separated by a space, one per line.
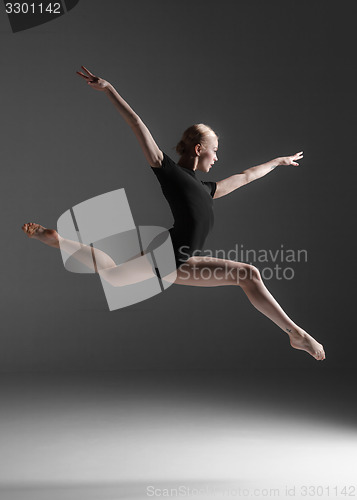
x=272 y=78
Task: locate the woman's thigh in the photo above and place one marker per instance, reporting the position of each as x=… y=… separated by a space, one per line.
x=196 y=271
x=209 y=271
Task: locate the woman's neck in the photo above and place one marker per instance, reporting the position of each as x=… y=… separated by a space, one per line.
x=189 y=162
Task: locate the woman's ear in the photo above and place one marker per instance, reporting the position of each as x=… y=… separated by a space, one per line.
x=198 y=149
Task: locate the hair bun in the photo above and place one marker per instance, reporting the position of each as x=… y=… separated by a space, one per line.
x=196 y=134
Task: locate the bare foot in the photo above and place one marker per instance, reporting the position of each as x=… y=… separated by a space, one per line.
x=299 y=339
x=47 y=236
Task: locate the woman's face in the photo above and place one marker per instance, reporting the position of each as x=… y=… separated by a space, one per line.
x=208 y=153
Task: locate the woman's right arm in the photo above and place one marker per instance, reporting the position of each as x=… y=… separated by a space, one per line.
x=153 y=154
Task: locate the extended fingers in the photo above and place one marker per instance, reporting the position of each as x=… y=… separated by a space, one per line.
x=88 y=72
x=88 y=76
x=82 y=75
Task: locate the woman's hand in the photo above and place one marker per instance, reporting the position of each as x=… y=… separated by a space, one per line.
x=291 y=160
x=93 y=81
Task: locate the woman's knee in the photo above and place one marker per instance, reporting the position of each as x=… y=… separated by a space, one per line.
x=248 y=274
x=237 y=273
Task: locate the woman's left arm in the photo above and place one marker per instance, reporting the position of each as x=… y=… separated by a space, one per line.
x=234 y=182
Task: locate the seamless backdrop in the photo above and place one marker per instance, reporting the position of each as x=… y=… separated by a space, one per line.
x=271 y=78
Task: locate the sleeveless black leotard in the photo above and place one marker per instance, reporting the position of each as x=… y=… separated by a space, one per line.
x=191 y=204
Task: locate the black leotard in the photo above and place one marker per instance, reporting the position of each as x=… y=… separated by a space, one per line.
x=191 y=204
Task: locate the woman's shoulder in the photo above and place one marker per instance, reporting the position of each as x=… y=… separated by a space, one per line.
x=166 y=163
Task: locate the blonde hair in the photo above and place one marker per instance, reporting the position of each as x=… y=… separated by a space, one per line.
x=195 y=134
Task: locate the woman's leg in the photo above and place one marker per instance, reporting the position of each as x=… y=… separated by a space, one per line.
x=82 y=253
x=197 y=271
x=207 y=272
x=133 y=271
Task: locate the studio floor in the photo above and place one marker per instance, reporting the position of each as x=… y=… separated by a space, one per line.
x=140 y=435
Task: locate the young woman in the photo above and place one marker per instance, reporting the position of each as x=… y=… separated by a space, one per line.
x=191 y=203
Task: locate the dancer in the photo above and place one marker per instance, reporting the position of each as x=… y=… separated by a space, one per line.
x=191 y=203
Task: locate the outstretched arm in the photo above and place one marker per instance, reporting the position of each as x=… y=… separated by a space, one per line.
x=228 y=185
x=153 y=154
